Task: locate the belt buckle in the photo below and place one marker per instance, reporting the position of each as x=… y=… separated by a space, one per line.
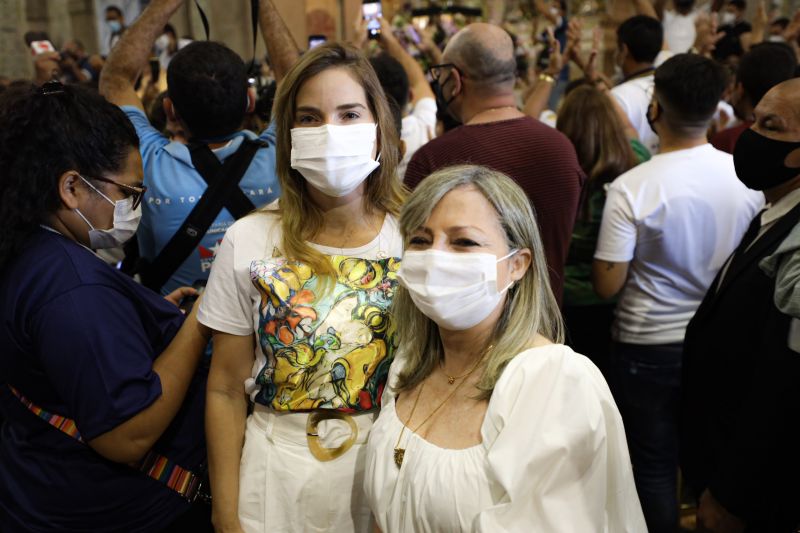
x=317 y=450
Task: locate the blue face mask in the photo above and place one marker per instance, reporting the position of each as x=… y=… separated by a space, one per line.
x=114 y=25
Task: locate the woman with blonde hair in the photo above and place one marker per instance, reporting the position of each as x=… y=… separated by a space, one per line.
x=488 y=422
x=298 y=300
x=607 y=146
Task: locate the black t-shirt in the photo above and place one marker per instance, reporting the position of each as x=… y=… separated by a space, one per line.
x=730 y=44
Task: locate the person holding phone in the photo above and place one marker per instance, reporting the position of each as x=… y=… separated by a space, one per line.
x=76 y=63
x=298 y=299
x=414 y=97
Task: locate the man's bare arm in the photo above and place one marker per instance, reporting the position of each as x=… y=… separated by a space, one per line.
x=131 y=52
x=608 y=277
x=281 y=47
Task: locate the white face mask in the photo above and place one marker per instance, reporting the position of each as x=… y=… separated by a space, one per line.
x=455 y=290
x=726 y=18
x=162 y=42
x=554 y=12
x=126 y=222
x=335 y=159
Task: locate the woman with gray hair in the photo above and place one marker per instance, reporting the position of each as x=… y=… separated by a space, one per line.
x=490 y=423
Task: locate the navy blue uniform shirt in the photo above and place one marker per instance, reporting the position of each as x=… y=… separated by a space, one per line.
x=79 y=339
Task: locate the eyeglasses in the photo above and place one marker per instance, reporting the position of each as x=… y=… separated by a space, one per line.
x=137 y=193
x=436 y=70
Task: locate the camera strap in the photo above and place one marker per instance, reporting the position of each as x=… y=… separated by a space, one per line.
x=203 y=19
x=153 y=465
x=222 y=192
x=254 y=21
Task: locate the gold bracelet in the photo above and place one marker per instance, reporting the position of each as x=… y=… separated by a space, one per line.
x=546 y=77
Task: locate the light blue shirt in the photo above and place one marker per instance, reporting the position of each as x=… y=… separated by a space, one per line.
x=174 y=187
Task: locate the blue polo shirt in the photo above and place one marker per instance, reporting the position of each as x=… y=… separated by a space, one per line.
x=174 y=187
x=79 y=339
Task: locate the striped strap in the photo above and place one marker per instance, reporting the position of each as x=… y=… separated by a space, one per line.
x=153 y=465
x=61 y=423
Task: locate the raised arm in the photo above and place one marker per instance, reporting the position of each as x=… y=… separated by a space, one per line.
x=129 y=56
x=707 y=35
x=281 y=47
x=536 y=102
x=428 y=46
x=416 y=77
x=541 y=7
x=792 y=31
x=645 y=7
x=757 y=30
x=660 y=6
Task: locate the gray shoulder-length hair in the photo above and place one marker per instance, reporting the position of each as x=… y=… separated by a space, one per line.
x=530 y=306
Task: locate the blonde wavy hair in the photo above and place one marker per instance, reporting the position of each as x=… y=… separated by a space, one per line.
x=300 y=218
x=530 y=306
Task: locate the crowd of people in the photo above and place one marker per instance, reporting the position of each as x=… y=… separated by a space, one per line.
x=409 y=283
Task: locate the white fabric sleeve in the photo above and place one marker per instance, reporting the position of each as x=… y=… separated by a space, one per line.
x=559 y=454
x=617 y=239
x=620 y=95
x=425 y=111
x=225 y=305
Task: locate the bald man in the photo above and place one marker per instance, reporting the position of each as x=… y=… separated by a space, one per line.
x=476 y=86
x=741 y=368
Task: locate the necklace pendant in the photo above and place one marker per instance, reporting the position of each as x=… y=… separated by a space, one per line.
x=398 y=456
x=450 y=380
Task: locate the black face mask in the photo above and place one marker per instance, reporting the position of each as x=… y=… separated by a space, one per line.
x=759 y=161
x=442 y=103
x=651 y=121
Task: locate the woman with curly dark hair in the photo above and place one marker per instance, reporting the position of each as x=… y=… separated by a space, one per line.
x=99 y=381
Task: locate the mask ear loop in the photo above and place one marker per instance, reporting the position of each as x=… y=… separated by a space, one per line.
x=78 y=211
x=510 y=285
x=109 y=200
x=514 y=251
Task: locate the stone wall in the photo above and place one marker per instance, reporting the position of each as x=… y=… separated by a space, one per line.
x=14 y=55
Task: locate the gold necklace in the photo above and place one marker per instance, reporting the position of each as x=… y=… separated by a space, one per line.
x=452 y=379
x=491 y=109
x=399 y=453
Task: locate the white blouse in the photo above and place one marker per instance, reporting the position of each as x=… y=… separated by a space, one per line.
x=553 y=457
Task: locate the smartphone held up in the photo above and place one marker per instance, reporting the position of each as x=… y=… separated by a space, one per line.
x=372 y=13
x=316 y=40
x=39 y=42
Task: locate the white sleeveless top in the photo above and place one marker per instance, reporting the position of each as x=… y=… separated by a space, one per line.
x=553 y=457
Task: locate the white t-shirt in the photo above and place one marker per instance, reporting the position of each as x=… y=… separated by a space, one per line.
x=418 y=128
x=676 y=219
x=552 y=457
x=634 y=96
x=306 y=336
x=679 y=30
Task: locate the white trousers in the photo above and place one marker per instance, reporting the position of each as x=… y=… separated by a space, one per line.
x=284 y=488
